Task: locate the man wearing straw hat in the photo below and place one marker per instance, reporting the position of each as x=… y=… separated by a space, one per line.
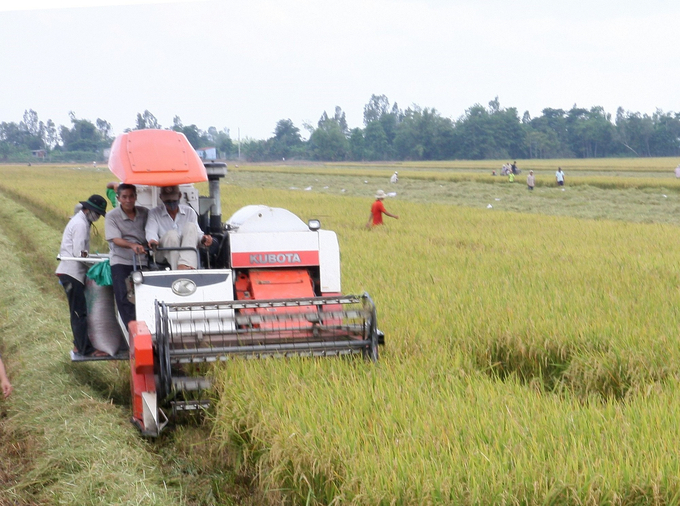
x=76 y=243
x=378 y=209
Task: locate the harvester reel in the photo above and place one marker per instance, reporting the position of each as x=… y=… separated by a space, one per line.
x=371 y=353
x=163 y=351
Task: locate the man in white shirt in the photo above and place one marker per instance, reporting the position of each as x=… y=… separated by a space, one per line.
x=175 y=225
x=559 y=176
x=395 y=177
x=531 y=180
x=76 y=243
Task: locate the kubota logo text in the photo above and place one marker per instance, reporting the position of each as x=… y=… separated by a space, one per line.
x=276 y=258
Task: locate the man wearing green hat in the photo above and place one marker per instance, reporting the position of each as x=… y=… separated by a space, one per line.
x=76 y=243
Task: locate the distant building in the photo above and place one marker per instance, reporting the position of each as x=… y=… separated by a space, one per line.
x=39 y=153
x=209 y=153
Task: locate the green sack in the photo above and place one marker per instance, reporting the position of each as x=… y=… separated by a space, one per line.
x=100 y=273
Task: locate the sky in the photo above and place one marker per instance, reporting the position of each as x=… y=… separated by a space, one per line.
x=244 y=65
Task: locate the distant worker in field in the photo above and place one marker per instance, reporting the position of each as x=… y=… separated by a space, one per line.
x=559 y=176
x=175 y=225
x=112 y=193
x=677 y=171
x=125 y=234
x=4 y=381
x=531 y=181
x=511 y=177
x=75 y=243
x=514 y=168
x=378 y=209
x=395 y=177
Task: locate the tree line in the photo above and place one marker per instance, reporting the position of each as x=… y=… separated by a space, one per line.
x=389 y=133
x=85 y=141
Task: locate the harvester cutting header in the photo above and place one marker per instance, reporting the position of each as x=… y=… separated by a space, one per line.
x=267 y=285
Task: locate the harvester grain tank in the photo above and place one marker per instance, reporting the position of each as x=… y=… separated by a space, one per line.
x=270 y=285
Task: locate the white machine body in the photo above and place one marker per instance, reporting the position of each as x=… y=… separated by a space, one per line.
x=268 y=237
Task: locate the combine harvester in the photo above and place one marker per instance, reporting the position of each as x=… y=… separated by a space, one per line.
x=268 y=286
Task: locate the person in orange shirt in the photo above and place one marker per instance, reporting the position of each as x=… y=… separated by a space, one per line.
x=378 y=209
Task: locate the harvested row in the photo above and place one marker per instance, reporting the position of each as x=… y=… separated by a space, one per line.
x=652 y=173
x=75 y=446
x=612 y=165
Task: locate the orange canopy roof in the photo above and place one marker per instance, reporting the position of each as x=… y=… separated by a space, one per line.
x=155 y=157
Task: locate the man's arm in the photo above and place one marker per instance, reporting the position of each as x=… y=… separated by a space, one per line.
x=192 y=216
x=124 y=243
x=81 y=237
x=151 y=230
x=4 y=381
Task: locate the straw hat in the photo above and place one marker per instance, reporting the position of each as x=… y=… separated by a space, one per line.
x=380 y=194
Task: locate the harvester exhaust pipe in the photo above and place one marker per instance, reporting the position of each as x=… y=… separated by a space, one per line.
x=215 y=171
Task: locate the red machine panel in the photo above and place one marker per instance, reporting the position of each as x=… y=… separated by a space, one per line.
x=276 y=284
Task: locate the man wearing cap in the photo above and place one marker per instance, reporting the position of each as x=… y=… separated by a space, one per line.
x=378 y=209
x=175 y=225
x=125 y=233
x=76 y=243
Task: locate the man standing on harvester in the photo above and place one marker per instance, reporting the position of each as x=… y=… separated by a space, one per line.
x=175 y=225
x=75 y=243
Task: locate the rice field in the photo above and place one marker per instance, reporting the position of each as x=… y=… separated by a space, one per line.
x=531 y=357
x=528 y=360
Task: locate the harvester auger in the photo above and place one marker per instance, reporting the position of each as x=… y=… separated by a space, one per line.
x=269 y=286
